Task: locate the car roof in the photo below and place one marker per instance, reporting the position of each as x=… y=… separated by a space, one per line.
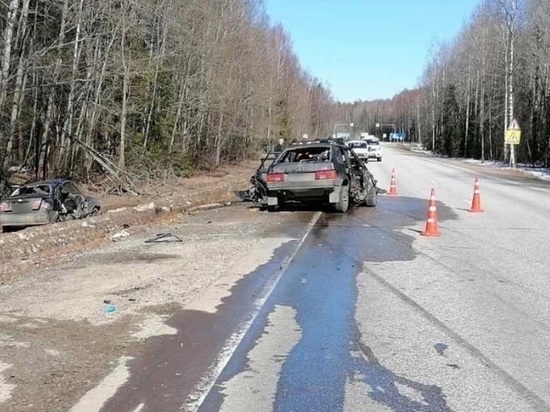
x=315 y=146
x=52 y=182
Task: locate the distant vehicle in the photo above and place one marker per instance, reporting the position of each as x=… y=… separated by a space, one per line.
x=397 y=137
x=360 y=148
x=321 y=173
x=374 y=149
x=365 y=136
x=46 y=202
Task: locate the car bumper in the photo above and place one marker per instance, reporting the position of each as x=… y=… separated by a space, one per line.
x=320 y=190
x=24 y=219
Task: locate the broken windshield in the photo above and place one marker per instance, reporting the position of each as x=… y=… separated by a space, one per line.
x=306 y=154
x=38 y=190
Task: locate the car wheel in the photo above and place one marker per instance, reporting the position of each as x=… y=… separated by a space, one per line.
x=53 y=217
x=379 y=159
x=372 y=196
x=343 y=202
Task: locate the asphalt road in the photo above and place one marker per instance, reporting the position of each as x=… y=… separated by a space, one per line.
x=361 y=313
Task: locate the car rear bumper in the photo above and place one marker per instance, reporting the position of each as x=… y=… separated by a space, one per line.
x=24 y=219
x=300 y=192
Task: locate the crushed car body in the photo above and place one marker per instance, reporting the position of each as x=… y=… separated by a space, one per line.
x=258 y=191
x=46 y=202
x=320 y=173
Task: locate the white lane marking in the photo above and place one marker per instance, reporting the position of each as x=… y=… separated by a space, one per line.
x=140 y=407
x=96 y=398
x=198 y=396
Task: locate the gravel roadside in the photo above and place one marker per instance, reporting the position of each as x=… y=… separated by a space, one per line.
x=64 y=327
x=26 y=250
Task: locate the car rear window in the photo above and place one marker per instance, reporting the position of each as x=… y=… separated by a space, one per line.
x=39 y=190
x=306 y=154
x=358 y=145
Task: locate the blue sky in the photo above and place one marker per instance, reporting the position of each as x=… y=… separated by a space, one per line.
x=368 y=49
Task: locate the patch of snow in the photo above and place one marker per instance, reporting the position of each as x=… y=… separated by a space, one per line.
x=121 y=234
x=536 y=172
x=143 y=208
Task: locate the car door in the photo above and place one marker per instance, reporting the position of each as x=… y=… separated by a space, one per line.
x=339 y=161
x=349 y=155
x=71 y=197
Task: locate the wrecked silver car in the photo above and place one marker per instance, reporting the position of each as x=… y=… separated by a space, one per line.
x=320 y=173
x=46 y=202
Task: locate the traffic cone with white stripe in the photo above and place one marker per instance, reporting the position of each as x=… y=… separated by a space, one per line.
x=476 y=200
x=393 y=185
x=431 y=228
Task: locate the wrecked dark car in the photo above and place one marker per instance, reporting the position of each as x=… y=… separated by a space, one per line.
x=46 y=202
x=320 y=173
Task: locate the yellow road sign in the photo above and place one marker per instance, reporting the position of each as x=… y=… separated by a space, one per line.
x=512 y=136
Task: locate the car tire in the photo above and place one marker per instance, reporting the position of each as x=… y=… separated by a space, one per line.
x=372 y=196
x=379 y=159
x=343 y=202
x=53 y=217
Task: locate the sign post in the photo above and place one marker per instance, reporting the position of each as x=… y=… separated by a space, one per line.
x=512 y=136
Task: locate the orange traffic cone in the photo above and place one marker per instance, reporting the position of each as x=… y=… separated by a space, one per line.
x=431 y=220
x=393 y=185
x=476 y=200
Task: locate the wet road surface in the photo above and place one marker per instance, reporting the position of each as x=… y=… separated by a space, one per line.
x=360 y=313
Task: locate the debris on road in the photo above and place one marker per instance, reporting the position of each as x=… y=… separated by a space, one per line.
x=110 y=308
x=119 y=235
x=88 y=224
x=165 y=238
x=211 y=206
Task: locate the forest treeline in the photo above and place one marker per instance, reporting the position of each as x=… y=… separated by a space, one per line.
x=146 y=87
x=497 y=68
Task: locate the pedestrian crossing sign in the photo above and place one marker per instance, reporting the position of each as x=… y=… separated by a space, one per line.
x=513 y=134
